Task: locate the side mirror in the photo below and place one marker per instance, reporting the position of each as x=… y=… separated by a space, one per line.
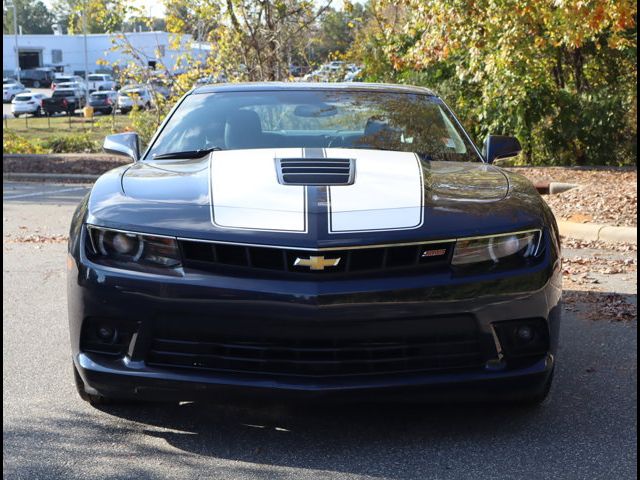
x=500 y=147
x=127 y=144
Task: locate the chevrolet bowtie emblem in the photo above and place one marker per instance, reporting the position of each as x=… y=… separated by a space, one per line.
x=316 y=263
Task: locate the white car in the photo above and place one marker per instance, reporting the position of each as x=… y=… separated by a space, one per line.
x=101 y=81
x=130 y=97
x=352 y=73
x=27 y=103
x=10 y=90
x=77 y=86
x=66 y=79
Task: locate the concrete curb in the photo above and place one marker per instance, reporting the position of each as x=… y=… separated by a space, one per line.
x=592 y=232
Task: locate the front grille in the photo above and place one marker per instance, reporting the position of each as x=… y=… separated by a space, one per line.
x=207 y=256
x=314 y=357
x=292 y=171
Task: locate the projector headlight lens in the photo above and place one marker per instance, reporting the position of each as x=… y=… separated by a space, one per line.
x=125 y=249
x=497 y=248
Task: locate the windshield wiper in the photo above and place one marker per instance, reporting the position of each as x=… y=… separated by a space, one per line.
x=187 y=153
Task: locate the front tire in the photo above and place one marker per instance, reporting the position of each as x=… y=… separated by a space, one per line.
x=36 y=84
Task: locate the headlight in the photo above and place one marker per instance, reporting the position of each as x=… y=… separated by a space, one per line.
x=497 y=248
x=133 y=250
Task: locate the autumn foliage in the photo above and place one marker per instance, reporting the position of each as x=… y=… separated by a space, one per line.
x=561 y=75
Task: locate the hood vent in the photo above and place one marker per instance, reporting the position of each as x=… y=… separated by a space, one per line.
x=326 y=171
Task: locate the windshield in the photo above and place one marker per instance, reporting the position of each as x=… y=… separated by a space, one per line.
x=96 y=78
x=21 y=98
x=63 y=93
x=100 y=96
x=321 y=119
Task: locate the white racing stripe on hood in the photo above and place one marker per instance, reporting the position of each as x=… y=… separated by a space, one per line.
x=245 y=193
x=387 y=193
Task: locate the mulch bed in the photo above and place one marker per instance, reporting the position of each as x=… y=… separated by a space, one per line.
x=608 y=196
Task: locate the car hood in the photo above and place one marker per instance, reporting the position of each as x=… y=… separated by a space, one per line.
x=239 y=195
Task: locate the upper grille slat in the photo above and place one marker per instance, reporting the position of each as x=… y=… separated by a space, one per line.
x=216 y=256
x=315 y=171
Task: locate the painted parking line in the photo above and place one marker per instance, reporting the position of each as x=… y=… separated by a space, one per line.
x=43 y=194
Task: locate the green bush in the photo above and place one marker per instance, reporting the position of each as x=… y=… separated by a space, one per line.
x=72 y=143
x=14 y=143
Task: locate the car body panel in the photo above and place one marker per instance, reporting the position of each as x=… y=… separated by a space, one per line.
x=10 y=90
x=237 y=198
x=33 y=105
x=99 y=82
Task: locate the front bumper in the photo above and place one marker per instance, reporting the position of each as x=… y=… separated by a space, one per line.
x=328 y=309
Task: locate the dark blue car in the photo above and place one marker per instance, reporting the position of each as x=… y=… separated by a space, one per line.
x=304 y=241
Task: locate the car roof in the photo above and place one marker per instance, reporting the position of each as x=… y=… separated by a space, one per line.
x=99 y=92
x=311 y=86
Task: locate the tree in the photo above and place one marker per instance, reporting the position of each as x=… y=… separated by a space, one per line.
x=254 y=39
x=551 y=72
x=102 y=16
x=33 y=17
x=337 y=30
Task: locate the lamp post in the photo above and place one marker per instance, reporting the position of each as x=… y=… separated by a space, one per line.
x=86 y=61
x=15 y=35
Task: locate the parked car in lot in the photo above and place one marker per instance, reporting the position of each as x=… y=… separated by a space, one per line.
x=27 y=103
x=10 y=90
x=132 y=96
x=211 y=79
x=104 y=101
x=100 y=81
x=353 y=71
x=66 y=79
x=37 y=78
x=63 y=100
x=320 y=241
x=80 y=87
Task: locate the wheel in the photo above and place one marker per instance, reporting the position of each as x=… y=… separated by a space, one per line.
x=36 y=84
x=39 y=112
x=88 y=397
x=16 y=115
x=147 y=105
x=108 y=111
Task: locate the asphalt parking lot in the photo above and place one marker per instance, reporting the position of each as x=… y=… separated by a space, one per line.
x=586 y=430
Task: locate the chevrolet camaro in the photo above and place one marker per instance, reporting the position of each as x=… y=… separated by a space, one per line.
x=303 y=241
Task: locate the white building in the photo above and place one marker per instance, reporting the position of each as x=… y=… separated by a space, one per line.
x=67 y=51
